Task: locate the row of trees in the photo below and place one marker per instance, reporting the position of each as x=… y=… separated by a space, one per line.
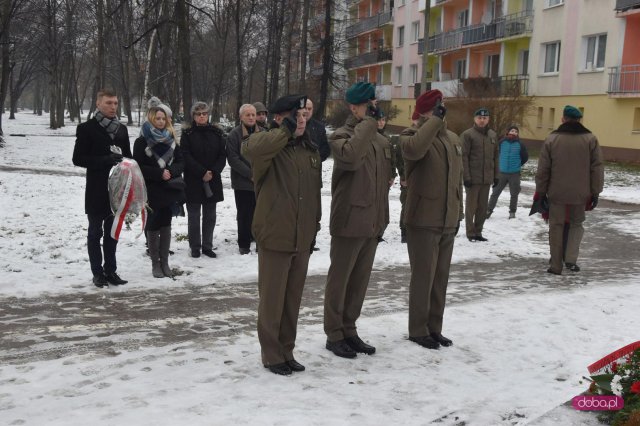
x=57 y=53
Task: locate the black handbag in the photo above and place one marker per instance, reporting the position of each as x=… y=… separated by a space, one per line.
x=176 y=183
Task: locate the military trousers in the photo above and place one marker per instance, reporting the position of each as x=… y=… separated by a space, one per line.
x=403 y=199
x=475 y=211
x=430 y=258
x=281 y=277
x=347 y=282
x=558 y=215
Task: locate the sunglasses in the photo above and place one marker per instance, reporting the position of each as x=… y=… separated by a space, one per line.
x=201 y=113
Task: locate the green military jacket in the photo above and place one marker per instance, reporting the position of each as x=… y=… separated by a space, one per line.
x=286 y=174
x=433 y=167
x=360 y=180
x=480 y=155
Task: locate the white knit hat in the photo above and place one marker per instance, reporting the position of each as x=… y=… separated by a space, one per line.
x=155 y=102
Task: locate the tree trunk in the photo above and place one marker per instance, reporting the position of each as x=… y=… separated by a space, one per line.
x=6 y=50
x=327 y=64
x=275 y=59
x=303 y=46
x=239 y=50
x=184 y=34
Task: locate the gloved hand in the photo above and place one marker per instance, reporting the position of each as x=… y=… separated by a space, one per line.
x=592 y=203
x=495 y=182
x=114 y=158
x=290 y=123
x=374 y=111
x=467 y=184
x=439 y=110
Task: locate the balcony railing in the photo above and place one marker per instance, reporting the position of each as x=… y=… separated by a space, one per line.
x=369 y=58
x=623 y=5
x=368 y=24
x=505 y=26
x=624 y=80
x=506 y=85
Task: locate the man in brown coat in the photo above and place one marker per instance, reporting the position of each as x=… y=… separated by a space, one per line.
x=481 y=169
x=571 y=175
x=359 y=215
x=285 y=167
x=433 y=169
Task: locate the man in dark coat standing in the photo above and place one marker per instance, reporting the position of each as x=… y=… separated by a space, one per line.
x=101 y=143
x=571 y=176
x=286 y=173
x=433 y=167
x=203 y=148
x=318 y=132
x=359 y=216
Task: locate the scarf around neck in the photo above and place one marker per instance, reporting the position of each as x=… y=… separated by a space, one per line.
x=111 y=125
x=160 y=144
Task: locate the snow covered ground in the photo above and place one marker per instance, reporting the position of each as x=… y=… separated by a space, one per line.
x=515 y=357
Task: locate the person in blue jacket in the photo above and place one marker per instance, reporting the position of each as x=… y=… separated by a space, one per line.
x=513 y=155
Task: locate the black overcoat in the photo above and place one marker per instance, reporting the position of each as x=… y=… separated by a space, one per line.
x=92 y=151
x=203 y=148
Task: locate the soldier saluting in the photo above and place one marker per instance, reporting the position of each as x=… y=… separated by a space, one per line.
x=285 y=167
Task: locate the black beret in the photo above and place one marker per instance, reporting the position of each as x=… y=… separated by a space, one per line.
x=288 y=103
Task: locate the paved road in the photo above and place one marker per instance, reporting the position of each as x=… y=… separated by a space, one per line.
x=104 y=323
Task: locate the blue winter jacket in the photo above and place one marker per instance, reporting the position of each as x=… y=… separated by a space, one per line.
x=513 y=154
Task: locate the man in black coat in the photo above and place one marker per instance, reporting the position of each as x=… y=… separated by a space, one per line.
x=101 y=143
x=317 y=132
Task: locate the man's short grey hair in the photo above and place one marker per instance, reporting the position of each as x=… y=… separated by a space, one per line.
x=199 y=106
x=244 y=107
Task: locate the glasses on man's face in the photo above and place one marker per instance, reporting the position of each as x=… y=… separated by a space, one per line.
x=201 y=114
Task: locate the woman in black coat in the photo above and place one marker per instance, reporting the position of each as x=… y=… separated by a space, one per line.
x=161 y=163
x=203 y=146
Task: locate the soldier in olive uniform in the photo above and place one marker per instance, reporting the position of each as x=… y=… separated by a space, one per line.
x=433 y=167
x=359 y=215
x=481 y=169
x=285 y=166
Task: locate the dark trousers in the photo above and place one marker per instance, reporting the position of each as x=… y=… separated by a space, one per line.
x=475 y=211
x=245 y=205
x=511 y=179
x=559 y=214
x=204 y=240
x=99 y=226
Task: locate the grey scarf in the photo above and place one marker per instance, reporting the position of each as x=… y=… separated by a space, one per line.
x=111 y=125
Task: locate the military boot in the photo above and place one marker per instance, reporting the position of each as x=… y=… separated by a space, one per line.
x=165 y=243
x=153 y=239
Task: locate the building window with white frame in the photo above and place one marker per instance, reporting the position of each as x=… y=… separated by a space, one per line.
x=551 y=3
x=595 y=48
x=415 y=31
x=551 y=57
x=398 y=75
x=401 y=36
x=461 y=69
x=413 y=69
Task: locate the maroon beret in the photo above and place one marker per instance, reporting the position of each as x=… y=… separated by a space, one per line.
x=415 y=115
x=427 y=101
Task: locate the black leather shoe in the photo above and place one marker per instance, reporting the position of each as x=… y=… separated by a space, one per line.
x=114 y=279
x=341 y=349
x=244 y=250
x=472 y=239
x=481 y=238
x=100 y=280
x=195 y=253
x=295 y=365
x=438 y=337
x=551 y=271
x=572 y=267
x=425 y=341
x=358 y=345
x=209 y=253
x=280 y=369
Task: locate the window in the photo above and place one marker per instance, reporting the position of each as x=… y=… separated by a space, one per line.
x=463 y=18
x=523 y=62
x=461 y=68
x=413 y=69
x=551 y=3
x=539 y=118
x=552 y=113
x=636 y=120
x=551 y=57
x=398 y=75
x=595 y=49
x=400 y=36
x=415 y=31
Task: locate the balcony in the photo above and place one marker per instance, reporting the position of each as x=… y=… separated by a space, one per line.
x=506 y=26
x=504 y=86
x=369 y=58
x=625 y=5
x=624 y=81
x=383 y=93
x=371 y=23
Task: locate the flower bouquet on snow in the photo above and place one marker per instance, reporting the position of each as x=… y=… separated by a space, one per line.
x=127 y=194
x=618 y=374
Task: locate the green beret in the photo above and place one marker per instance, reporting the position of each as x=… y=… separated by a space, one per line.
x=571 y=112
x=481 y=112
x=360 y=93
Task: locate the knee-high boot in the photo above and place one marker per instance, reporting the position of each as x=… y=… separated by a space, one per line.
x=153 y=239
x=165 y=243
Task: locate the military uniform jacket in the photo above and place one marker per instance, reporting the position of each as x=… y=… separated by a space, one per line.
x=92 y=151
x=480 y=155
x=433 y=166
x=360 y=181
x=287 y=177
x=570 y=166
